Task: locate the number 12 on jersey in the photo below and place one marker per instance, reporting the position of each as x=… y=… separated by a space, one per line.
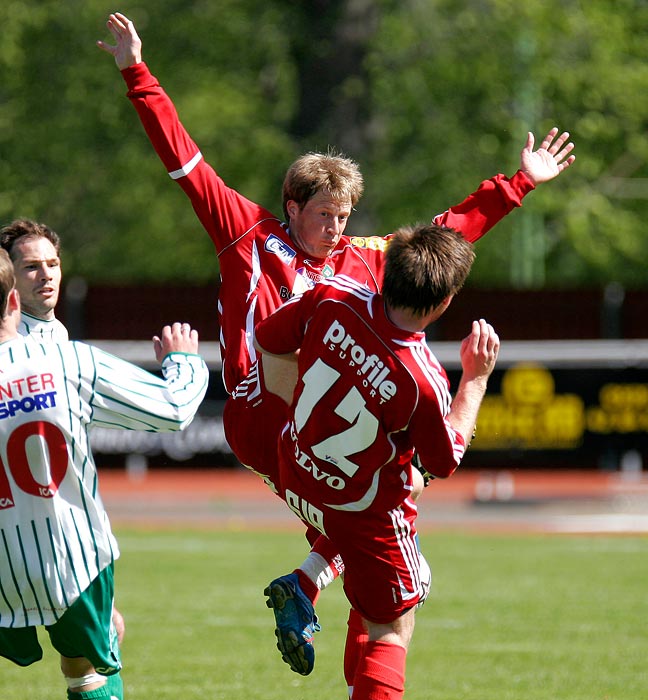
x=363 y=428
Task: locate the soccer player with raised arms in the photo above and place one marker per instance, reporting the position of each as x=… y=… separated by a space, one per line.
x=264 y=261
x=369 y=396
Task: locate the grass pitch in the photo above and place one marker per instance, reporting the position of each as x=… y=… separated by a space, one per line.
x=509 y=617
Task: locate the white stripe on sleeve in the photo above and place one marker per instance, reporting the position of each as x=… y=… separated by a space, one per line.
x=186 y=168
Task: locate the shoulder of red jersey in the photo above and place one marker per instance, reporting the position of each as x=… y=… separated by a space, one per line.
x=343 y=285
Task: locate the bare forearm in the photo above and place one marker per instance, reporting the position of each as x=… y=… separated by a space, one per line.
x=479 y=352
x=465 y=406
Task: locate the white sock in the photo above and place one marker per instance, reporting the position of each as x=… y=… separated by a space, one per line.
x=318 y=570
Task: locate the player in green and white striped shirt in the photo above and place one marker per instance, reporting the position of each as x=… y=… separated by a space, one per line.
x=35 y=250
x=56 y=547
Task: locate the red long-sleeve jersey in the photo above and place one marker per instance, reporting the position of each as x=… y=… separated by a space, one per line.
x=368 y=394
x=260 y=266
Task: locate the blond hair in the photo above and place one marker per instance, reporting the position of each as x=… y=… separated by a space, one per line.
x=330 y=172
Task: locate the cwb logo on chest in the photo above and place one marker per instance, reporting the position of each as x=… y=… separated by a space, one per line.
x=370 y=367
x=275 y=245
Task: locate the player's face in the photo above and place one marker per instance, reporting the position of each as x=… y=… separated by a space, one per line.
x=317 y=227
x=38 y=275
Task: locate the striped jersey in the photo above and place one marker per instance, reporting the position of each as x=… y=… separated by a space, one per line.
x=55 y=537
x=40 y=331
x=369 y=393
x=260 y=266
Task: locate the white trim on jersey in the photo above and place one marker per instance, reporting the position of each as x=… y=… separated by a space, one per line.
x=249 y=331
x=250 y=387
x=430 y=367
x=38 y=330
x=409 y=550
x=187 y=168
x=348 y=284
x=366 y=500
x=256 y=272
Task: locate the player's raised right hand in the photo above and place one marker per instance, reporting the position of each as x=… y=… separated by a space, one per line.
x=128 y=48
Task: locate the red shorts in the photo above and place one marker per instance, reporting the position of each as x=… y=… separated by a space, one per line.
x=382 y=577
x=252 y=420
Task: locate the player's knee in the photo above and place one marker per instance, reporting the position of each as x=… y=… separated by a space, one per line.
x=83 y=687
x=425 y=575
x=81 y=677
x=398 y=632
x=120 y=625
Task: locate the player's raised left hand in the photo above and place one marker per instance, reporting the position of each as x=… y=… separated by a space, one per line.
x=479 y=351
x=179 y=337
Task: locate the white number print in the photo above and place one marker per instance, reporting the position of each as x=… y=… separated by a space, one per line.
x=363 y=429
x=305 y=510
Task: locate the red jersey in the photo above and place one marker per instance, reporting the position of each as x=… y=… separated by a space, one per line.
x=260 y=267
x=368 y=394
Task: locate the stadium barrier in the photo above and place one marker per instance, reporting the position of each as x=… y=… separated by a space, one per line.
x=576 y=404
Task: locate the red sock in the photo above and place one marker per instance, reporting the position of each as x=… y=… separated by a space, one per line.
x=320 y=568
x=328 y=551
x=309 y=588
x=312 y=534
x=354 y=648
x=380 y=674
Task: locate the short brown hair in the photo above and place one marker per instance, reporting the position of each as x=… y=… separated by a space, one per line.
x=24 y=228
x=330 y=172
x=7 y=280
x=425 y=264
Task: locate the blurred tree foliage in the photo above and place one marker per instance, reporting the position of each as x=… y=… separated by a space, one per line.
x=430 y=96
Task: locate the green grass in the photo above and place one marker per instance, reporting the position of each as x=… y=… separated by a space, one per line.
x=524 y=617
